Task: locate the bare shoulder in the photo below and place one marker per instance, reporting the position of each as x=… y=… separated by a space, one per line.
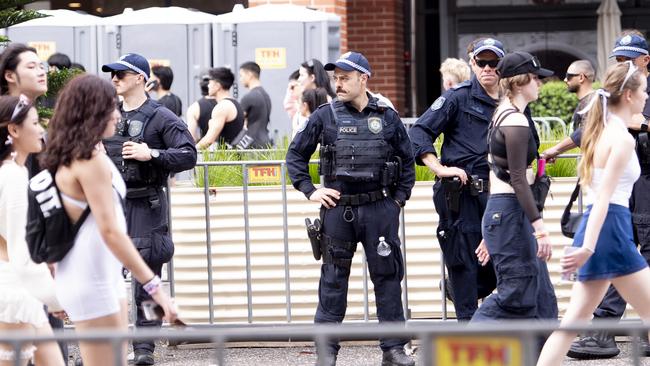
x=515 y=119
x=94 y=169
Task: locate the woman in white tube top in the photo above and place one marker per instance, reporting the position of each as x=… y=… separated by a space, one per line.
x=606 y=253
x=24 y=285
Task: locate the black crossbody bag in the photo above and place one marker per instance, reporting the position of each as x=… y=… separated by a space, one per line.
x=571 y=220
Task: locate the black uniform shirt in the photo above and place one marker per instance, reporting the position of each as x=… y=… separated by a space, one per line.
x=463 y=115
x=309 y=136
x=169 y=134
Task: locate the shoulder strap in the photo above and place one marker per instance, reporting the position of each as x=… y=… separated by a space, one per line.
x=574 y=196
x=497 y=170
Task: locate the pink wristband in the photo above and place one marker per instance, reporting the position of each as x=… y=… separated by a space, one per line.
x=153 y=285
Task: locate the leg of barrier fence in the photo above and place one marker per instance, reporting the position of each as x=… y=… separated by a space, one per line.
x=249 y=291
x=530 y=348
x=366 y=310
x=285 y=232
x=117 y=351
x=405 y=288
x=17 y=349
x=208 y=242
x=635 y=351
x=443 y=287
x=219 y=351
x=170 y=264
x=321 y=348
x=427 y=352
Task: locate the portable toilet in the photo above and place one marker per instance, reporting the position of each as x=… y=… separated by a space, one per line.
x=172 y=36
x=64 y=31
x=278 y=37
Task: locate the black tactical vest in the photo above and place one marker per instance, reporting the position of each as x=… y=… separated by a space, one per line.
x=139 y=173
x=360 y=152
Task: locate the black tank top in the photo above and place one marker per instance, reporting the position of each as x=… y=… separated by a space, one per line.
x=232 y=128
x=206 y=105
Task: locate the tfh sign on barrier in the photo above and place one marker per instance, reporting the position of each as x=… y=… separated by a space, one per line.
x=266 y=174
x=478 y=351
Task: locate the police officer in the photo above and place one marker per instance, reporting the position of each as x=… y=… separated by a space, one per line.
x=630 y=46
x=149 y=143
x=460 y=193
x=368 y=170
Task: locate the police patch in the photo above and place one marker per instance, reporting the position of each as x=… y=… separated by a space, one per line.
x=135 y=127
x=374 y=124
x=349 y=130
x=438 y=103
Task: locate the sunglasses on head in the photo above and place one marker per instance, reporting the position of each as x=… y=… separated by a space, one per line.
x=23 y=102
x=482 y=63
x=121 y=74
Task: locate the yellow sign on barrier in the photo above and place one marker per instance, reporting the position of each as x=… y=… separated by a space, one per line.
x=478 y=351
x=266 y=174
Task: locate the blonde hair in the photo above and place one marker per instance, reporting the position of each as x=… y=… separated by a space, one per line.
x=593 y=125
x=507 y=86
x=456 y=68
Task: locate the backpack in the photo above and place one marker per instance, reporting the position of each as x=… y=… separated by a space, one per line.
x=50 y=233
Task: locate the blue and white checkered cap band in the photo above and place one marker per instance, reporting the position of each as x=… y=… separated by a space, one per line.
x=629 y=48
x=355 y=65
x=499 y=52
x=134 y=68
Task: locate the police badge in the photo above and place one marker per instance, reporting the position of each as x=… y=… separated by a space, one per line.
x=135 y=128
x=626 y=40
x=374 y=125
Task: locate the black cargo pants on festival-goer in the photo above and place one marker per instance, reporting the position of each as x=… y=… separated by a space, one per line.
x=365 y=224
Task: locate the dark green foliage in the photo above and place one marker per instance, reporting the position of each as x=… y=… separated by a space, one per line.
x=10 y=15
x=556 y=101
x=56 y=80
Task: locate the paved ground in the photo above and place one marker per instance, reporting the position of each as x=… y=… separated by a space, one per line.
x=357 y=354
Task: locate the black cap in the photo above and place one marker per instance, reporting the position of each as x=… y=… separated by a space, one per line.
x=519 y=63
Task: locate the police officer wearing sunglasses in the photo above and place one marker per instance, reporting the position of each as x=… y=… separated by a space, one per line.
x=460 y=193
x=150 y=142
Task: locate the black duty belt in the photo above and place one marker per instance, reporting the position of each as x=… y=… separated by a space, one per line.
x=142 y=192
x=362 y=198
x=479 y=185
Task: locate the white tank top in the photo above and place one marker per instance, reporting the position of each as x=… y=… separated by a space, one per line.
x=623 y=190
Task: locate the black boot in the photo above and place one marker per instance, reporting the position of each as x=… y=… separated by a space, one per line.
x=396 y=357
x=143 y=357
x=600 y=344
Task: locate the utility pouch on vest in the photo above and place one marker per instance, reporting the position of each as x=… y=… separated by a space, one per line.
x=452 y=187
x=313 y=232
x=326 y=161
x=392 y=171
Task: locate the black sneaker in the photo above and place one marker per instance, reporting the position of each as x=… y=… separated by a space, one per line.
x=396 y=357
x=143 y=358
x=594 y=345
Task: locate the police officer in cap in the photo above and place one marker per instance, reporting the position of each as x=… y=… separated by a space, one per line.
x=460 y=193
x=367 y=164
x=149 y=143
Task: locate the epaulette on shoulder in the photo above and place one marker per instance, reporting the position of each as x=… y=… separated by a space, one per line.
x=322 y=105
x=464 y=84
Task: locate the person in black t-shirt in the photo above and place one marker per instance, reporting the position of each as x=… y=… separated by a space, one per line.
x=256 y=105
x=226 y=123
x=199 y=113
x=161 y=82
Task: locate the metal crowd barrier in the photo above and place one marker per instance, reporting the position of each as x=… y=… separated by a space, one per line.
x=504 y=343
x=287 y=276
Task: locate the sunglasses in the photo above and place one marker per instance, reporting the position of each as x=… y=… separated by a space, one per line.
x=482 y=63
x=121 y=74
x=570 y=76
x=23 y=102
x=623 y=58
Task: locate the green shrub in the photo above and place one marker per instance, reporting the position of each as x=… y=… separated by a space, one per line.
x=56 y=80
x=555 y=101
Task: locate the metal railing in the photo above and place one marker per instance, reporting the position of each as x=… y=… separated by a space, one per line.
x=287 y=275
x=436 y=341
